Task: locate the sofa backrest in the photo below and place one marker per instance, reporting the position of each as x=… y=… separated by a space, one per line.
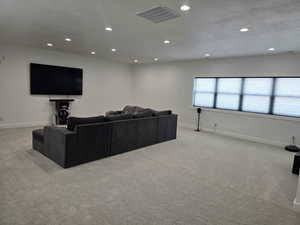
x=75 y=121
x=97 y=140
x=114 y=137
x=94 y=140
x=122 y=116
x=132 y=134
x=162 y=113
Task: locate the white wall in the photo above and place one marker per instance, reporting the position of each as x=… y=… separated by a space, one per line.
x=106 y=86
x=169 y=86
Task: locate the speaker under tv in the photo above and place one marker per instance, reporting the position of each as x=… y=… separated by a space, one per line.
x=55 y=80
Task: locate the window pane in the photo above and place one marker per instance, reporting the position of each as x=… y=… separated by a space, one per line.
x=258 y=86
x=204 y=99
x=259 y=104
x=205 y=84
x=287 y=106
x=229 y=85
x=287 y=87
x=228 y=101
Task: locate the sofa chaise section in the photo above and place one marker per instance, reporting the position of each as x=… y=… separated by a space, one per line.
x=60 y=145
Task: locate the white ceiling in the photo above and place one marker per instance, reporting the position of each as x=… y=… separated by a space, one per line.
x=212 y=26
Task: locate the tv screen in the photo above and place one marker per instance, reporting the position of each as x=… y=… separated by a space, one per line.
x=55 y=80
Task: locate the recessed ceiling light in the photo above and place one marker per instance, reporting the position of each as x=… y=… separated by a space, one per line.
x=135 y=61
x=155 y=59
x=113 y=49
x=207 y=55
x=49 y=44
x=167 y=41
x=271 y=49
x=244 y=29
x=93 y=53
x=185 y=7
x=68 y=39
x=108 y=28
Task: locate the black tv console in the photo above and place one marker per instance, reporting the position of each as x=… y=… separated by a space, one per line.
x=62 y=110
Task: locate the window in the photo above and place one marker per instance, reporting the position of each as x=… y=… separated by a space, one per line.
x=228 y=93
x=287 y=97
x=269 y=95
x=204 y=92
x=257 y=95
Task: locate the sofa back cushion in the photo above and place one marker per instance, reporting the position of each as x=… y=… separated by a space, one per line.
x=143 y=113
x=124 y=116
x=162 y=113
x=75 y=121
x=109 y=113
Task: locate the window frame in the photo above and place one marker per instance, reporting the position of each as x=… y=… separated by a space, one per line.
x=272 y=96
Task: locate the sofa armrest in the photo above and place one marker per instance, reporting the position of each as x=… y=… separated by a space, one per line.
x=167 y=127
x=58 y=143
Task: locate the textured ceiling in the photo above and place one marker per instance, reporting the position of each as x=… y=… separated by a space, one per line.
x=212 y=26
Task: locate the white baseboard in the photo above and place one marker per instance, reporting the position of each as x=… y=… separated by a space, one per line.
x=296 y=205
x=23 y=124
x=185 y=125
x=237 y=135
x=246 y=137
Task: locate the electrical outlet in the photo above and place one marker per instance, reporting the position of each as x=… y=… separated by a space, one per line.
x=215 y=127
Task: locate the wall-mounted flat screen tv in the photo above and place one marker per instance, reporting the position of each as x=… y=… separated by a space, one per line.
x=55 y=80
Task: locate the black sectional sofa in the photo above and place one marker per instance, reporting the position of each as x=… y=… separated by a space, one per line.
x=89 y=139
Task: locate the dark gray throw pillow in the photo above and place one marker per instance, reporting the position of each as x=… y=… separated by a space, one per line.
x=124 y=116
x=75 y=121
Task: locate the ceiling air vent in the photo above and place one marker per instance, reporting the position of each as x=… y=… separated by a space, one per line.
x=159 y=14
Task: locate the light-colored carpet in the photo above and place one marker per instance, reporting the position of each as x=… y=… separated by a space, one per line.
x=200 y=178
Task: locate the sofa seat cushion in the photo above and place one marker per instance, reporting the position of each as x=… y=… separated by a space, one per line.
x=75 y=121
x=124 y=116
